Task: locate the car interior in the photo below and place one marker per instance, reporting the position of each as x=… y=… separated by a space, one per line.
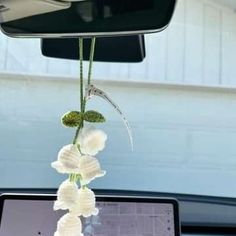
x=170 y=65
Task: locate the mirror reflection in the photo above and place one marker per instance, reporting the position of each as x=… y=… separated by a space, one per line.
x=96 y=17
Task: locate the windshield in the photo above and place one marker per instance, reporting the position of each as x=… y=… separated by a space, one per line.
x=180 y=102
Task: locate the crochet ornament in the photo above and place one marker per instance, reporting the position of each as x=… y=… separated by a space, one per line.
x=78 y=160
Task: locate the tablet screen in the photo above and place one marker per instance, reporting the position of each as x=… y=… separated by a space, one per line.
x=116 y=218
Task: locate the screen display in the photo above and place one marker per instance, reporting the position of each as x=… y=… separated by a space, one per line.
x=35 y=217
x=131 y=219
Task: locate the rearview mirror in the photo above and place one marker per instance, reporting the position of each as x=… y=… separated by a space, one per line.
x=94 y=18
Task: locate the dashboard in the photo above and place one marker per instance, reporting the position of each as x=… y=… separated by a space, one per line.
x=199 y=215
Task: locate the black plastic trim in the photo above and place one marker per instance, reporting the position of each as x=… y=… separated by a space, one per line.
x=181 y=197
x=206 y=230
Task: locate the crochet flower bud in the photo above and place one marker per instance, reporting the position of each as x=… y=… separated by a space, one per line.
x=86 y=206
x=68 y=160
x=90 y=169
x=91 y=140
x=69 y=225
x=67 y=196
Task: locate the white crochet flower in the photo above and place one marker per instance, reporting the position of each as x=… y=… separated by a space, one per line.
x=90 y=169
x=67 y=196
x=69 y=225
x=68 y=160
x=86 y=206
x=91 y=140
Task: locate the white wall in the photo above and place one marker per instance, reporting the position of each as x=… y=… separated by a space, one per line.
x=184 y=136
x=199 y=47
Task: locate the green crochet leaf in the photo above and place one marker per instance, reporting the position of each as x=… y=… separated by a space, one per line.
x=94 y=117
x=72 y=119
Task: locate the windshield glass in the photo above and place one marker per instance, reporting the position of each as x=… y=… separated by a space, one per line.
x=180 y=102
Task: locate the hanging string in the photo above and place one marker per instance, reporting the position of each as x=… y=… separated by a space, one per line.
x=91 y=57
x=81 y=74
x=82 y=106
x=92 y=90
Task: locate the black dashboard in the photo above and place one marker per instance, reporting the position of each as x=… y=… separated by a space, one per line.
x=199 y=215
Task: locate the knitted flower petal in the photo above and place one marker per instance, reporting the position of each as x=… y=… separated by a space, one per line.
x=59 y=167
x=91 y=140
x=67 y=196
x=89 y=169
x=69 y=225
x=68 y=160
x=86 y=203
